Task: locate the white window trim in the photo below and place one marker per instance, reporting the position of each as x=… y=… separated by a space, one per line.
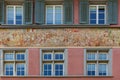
x=97 y=13
x=14 y=7
x=48 y=59
x=58 y=53
x=54 y=13
x=51 y=69
x=24 y=69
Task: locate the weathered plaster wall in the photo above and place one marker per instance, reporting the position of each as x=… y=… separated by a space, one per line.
x=64 y=37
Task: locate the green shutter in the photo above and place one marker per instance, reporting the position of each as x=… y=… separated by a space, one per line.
x=39 y=11
x=68 y=11
x=112 y=11
x=84 y=12
x=1 y=11
x=28 y=11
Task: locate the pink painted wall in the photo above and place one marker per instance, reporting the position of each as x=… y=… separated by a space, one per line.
x=116 y=63
x=34 y=61
x=75 y=61
x=76 y=11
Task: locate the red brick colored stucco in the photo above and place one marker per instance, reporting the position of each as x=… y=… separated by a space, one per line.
x=34 y=61
x=75 y=61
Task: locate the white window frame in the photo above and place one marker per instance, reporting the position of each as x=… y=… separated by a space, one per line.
x=5 y=69
x=95 y=69
x=20 y=59
x=54 y=13
x=97 y=7
x=14 y=7
x=9 y=60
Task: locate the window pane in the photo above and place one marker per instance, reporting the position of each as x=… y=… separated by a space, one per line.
x=101 y=9
x=20 y=69
x=101 y=21
x=9 y=56
x=20 y=56
x=59 y=56
x=91 y=69
x=58 y=69
x=102 y=69
x=93 y=16
x=8 y=69
x=47 y=69
x=91 y=56
x=101 y=16
x=92 y=21
x=103 y=56
x=47 y=56
x=49 y=15
x=10 y=15
x=18 y=15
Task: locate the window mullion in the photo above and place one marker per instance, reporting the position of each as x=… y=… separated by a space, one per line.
x=54 y=14
x=14 y=14
x=97 y=14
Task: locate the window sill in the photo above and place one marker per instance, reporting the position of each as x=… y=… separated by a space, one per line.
x=44 y=26
x=70 y=76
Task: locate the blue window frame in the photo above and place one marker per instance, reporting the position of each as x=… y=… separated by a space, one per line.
x=59 y=69
x=54 y=14
x=9 y=69
x=97 y=14
x=47 y=69
x=103 y=69
x=14 y=14
x=91 y=69
x=20 y=69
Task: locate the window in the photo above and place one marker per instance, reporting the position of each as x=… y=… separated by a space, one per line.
x=97 y=14
x=98 y=62
x=14 y=14
x=54 y=14
x=14 y=62
x=53 y=62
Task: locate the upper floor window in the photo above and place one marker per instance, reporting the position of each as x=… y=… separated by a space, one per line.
x=97 y=14
x=14 y=14
x=54 y=14
x=53 y=62
x=98 y=62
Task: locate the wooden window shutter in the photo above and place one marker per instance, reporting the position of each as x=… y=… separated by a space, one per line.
x=68 y=11
x=112 y=11
x=1 y=11
x=28 y=11
x=39 y=11
x=84 y=12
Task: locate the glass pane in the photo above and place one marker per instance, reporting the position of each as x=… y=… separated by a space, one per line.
x=59 y=56
x=58 y=9
x=9 y=56
x=58 y=69
x=92 y=16
x=20 y=69
x=48 y=56
x=10 y=15
x=102 y=56
x=101 y=9
x=47 y=69
x=91 y=69
x=8 y=69
x=101 y=16
x=101 y=21
x=92 y=21
x=93 y=9
x=18 y=15
x=20 y=56
x=49 y=15
x=91 y=56
x=102 y=69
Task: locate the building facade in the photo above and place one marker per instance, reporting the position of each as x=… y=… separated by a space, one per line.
x=59 y=39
